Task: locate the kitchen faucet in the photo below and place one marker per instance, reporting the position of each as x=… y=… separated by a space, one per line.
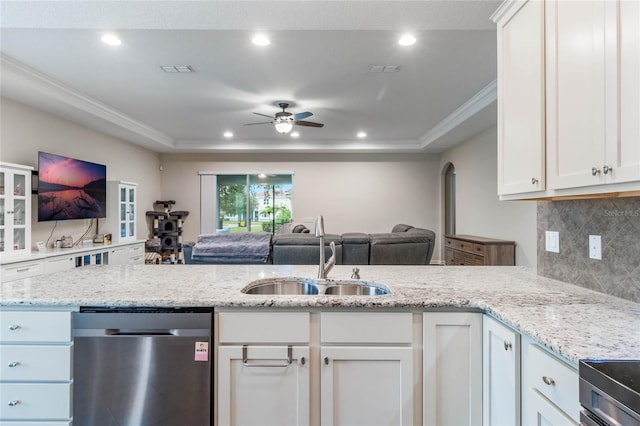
x=324 y=268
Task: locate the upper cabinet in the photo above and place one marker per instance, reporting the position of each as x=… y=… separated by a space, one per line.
x=521 y=97
x=588 y=127
x=15 y=210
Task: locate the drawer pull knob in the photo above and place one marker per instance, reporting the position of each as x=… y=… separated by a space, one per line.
x=326 y=360
x=14 y=403
x=303 y=361
x=507 y=346
x=594 y=171
x=13 y=364
x=14 y=327
x=548 y=380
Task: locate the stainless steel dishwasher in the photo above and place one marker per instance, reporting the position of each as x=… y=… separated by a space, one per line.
x=142 y=367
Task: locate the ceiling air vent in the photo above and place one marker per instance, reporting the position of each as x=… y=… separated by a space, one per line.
x=384 y=68
x=177 y=68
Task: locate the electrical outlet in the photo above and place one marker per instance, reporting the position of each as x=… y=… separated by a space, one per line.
x=552 y=241
x=595 y=247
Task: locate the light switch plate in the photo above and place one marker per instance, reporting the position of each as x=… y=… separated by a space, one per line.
x=595 y=247
x=552 y=241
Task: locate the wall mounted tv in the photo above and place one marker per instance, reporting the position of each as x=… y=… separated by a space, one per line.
x=70 y=189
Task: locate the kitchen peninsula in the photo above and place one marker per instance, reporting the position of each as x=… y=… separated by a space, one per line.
x=559 y=320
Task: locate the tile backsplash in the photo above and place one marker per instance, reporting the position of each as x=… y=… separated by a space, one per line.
x=616 y=220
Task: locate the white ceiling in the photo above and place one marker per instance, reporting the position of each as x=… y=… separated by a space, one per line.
x=318 y=60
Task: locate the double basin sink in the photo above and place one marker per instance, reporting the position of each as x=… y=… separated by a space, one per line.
x=312 y=286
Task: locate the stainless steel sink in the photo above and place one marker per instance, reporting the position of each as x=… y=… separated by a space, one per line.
x=285 y=286
x=349 y=288
x=311 y=286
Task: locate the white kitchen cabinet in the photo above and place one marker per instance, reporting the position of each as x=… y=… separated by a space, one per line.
x=263 y=368
x=521 y=97
x=366 y=375
x=23 y=269
x=549 y=388
x=593 y=88
x=501 y=374
x=15 y=210
x=452 y=368
x=263 y=385
x=36 y=373
x=121 y=211
x=127 y=254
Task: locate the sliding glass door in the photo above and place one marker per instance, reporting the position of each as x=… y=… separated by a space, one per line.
x=253 y=203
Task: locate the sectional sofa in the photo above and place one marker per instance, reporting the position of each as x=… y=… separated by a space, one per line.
x=404 y=245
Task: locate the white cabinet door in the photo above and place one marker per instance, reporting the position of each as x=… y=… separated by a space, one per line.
x=501 y=374
x=541 y=412
x=121 y=216
x=575 y=53
x=623 y=91
x=521 y=98
x=15 y=210
x=452 y=362
x=366 y=386
x=265 y=388
x=58 y=264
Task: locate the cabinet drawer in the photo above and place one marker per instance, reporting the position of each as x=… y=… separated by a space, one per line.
x=35 y=363
x=366 y=327
x=554 y=379
x=17 y=271
x=23 y=326
x=259 y=327
x=35 y=401
x=463 y=245
x=58 y=263
x=478 y=249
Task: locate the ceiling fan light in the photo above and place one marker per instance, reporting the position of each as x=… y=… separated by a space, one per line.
x=283 y=127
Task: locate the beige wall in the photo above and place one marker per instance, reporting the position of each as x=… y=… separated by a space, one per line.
x=25 y=131
x=354 y=193
x=478 y=209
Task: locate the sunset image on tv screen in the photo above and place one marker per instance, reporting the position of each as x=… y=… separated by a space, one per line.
x=70 y=189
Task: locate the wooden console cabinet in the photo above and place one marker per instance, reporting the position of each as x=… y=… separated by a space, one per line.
x=469 y=250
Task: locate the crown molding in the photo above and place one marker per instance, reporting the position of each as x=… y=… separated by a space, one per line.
x=486 y=96
x=45 y=88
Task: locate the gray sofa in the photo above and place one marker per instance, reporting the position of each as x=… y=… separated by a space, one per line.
x=404 y=245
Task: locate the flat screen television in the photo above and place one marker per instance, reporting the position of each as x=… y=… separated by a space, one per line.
x=70 y=189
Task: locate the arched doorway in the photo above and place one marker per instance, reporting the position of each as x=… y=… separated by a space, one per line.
x=449 y=199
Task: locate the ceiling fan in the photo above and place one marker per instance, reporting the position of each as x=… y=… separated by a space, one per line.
x=284 y=120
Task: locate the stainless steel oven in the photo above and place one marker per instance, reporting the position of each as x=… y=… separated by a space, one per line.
x=142 y=367
x=609 y=392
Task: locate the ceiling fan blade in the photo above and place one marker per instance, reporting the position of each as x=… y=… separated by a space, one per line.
x=308 y=124
x=264 y=115
x=262 y=122
x=302 y=115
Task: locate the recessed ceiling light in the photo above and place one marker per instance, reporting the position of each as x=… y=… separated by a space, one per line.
x=295 y=134
x=407 y=40
x=227 y=134
x=361 y=135
x=111 y=40
x=260 y=40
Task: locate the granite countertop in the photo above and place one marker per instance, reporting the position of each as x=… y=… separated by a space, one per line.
x=574 y=322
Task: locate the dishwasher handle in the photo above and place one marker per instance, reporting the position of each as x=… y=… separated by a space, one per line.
x=138 y=332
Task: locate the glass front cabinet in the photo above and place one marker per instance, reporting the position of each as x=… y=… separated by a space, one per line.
x=121 y=207
x=15 y=210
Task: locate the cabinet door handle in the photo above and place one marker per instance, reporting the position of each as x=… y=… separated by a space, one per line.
x=606 y=169
x=13 y=364
x=594 y=171
x=534 y=181
x=247 y=362
x=507 y=346
x=14 y=327
x=14 y=402
x=303 y=361
x=326 y=360
x=548 y=380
